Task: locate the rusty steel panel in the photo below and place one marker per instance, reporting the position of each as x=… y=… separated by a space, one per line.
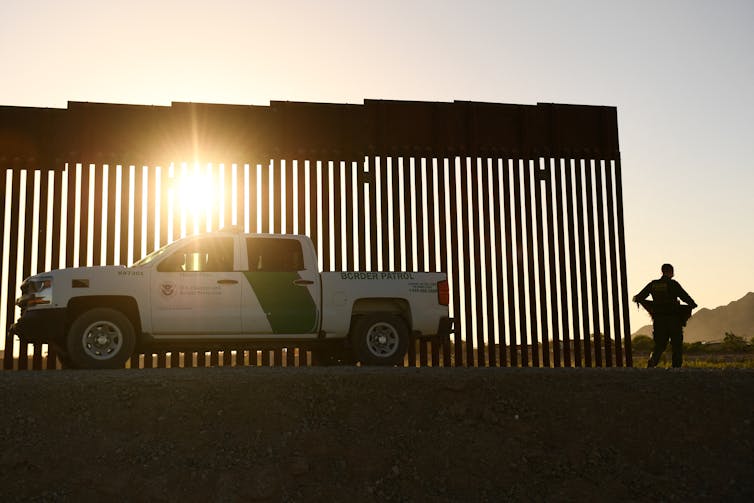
x=476 y=274
x=11 y=289
x=603 y=336
x=622 y=263
x=316 y=131
x=27 y=249
x=510 y=273
x=560 y=222
x=540 y=173
x=324 y=216
x=185 y=132
x=591 y=269
x=613 y=245
x=528 y=209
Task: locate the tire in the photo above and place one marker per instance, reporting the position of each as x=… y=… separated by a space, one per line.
x=380 y=339
x=101 y=338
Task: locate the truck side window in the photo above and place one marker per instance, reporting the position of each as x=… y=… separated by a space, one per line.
x=201 y=255
x=274 y=255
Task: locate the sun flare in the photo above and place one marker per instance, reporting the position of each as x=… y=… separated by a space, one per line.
x=194 y=192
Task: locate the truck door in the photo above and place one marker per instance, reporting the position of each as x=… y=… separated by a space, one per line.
x=195 y=290
x=282 y=296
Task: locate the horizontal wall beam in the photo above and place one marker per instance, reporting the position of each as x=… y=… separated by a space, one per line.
x=46 y=138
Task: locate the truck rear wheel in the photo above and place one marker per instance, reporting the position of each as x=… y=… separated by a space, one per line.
x=101 y=338
x=380 y=339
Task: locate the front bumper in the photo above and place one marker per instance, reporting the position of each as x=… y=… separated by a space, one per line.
x=41 y=325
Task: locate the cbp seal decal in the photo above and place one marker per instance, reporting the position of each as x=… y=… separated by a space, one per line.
x=167 y=289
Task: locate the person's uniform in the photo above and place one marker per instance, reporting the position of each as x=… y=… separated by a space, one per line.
x=668 y=320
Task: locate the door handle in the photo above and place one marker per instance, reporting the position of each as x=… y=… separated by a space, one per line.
x=302 y=282
x=227 y=282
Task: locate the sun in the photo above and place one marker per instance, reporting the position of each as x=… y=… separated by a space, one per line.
x=194 y=191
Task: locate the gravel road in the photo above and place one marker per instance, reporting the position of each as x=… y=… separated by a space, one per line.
x=373 y=435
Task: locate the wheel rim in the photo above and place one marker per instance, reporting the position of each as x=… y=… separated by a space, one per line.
x=102 y=340
x=382 y=340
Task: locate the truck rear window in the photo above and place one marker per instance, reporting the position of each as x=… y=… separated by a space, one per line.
x=274 y=255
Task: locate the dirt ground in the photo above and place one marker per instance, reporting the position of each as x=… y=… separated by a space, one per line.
x=365 y=434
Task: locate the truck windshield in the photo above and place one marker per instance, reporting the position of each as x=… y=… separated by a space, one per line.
x=152 y=256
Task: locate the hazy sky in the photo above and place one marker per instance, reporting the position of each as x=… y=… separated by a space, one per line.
x=681 y=74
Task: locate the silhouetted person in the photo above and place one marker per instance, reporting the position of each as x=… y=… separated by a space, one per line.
x=668 y=315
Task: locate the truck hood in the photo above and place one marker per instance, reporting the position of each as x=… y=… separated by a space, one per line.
x=76 y=274
x=86 y=271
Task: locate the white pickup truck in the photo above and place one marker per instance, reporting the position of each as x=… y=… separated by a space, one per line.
x=230 y=290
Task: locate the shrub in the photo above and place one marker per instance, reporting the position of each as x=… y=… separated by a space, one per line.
x=693 y=347
x=734 y=343
x=642 y=343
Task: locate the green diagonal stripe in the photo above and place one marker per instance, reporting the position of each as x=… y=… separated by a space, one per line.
x=290 y=308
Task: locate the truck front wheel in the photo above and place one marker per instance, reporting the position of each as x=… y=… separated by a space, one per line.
x=380 y=339
x=101 y=338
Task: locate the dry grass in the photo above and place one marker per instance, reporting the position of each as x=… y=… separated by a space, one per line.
x=702 y=361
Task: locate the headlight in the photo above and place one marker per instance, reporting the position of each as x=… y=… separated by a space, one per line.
x=35 y=291
x=41 y=284
x=36 y=284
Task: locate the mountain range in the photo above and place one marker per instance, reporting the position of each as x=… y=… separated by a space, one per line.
x=710 y=325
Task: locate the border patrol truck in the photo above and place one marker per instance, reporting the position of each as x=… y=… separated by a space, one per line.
x=225 y=290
